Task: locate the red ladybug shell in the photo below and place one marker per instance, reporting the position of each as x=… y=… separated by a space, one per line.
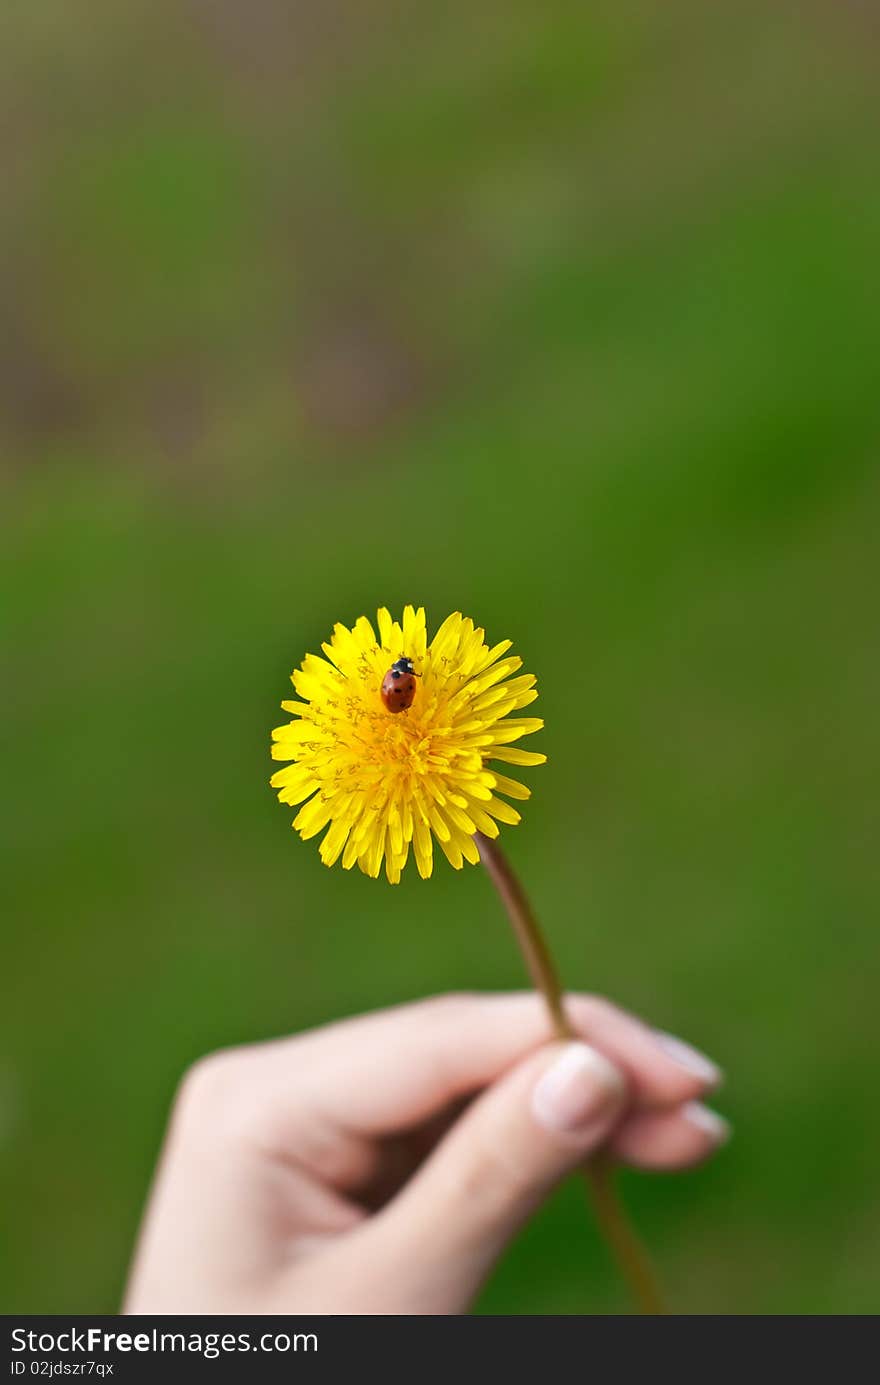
x=399 y=686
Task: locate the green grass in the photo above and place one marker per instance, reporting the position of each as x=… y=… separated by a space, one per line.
x=571 y=324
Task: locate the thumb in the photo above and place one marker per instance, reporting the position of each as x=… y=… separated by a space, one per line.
x=494 y=1167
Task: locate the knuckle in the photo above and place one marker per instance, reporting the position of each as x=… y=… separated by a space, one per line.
x=207 y=1086
x=587 y=1009
x=493 y=1177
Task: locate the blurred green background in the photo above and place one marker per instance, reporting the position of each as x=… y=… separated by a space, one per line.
x=565 y=316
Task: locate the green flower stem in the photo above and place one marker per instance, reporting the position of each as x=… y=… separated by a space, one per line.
x=623 y=1243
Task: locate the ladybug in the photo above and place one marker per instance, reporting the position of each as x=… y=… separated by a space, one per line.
x=399 y=685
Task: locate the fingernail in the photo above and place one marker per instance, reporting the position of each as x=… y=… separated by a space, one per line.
x=707 y=1120
x=577 y=1089
x=694 y=1062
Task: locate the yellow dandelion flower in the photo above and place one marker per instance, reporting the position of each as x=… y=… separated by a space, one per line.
x=381 y=781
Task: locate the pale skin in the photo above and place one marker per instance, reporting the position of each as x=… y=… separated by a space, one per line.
x=381 y=1165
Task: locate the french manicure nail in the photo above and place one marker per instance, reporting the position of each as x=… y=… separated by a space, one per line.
x=707 y=1120
x=576 y=1090
x=693 y=1062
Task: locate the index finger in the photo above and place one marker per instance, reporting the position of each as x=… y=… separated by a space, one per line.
x=389 y=1071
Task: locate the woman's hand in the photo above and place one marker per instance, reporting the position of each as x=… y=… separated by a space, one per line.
x=382 y=1164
